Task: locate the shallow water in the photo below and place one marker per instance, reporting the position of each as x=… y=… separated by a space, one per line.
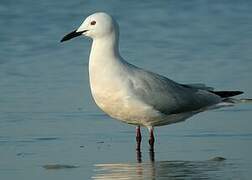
x=48 y=117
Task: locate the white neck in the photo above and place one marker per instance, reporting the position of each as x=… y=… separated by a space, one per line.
x=104 y=52
x=106 y=46
x=104 y=60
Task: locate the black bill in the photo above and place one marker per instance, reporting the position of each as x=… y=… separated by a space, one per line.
x=72 y=35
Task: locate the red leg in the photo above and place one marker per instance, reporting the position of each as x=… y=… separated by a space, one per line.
x=152 y=139
x=138 y=138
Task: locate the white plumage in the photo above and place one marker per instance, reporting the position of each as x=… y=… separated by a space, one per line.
x=134 y=95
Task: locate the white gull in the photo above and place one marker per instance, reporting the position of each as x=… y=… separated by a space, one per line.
x=134 y=95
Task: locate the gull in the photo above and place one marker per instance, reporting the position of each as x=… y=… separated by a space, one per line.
x=134 y=95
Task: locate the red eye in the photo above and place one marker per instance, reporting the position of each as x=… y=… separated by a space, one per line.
x=93 y=23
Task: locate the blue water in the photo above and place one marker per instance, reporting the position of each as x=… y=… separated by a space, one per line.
x=47 y=115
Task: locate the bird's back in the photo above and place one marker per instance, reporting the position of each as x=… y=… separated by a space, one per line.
x=165 y=95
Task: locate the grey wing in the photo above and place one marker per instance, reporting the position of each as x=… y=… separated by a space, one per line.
x=169 y=97
x=198 y=86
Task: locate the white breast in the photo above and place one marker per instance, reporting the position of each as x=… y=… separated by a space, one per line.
x=113 y=95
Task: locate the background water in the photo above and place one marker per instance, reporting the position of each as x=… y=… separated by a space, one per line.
x=48 y=116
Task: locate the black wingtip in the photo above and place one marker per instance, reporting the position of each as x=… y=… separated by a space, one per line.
x=62 y=40
x=225 y=94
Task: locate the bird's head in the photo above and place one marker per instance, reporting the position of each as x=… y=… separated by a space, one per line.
x=97 y=25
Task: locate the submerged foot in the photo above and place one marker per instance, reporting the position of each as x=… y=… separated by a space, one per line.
x=152 y=139
x=138 y=138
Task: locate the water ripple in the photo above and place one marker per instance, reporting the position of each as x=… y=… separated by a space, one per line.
x=210 y=169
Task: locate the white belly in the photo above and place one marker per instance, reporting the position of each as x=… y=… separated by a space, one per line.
x=118 y=104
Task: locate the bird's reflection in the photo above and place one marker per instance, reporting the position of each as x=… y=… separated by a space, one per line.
x=139 y=156
x=152 y=156
x=209 y=169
